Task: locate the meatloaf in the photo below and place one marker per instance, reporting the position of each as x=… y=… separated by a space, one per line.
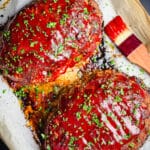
x=107 y=110
x=45 y=46
x=49 y=37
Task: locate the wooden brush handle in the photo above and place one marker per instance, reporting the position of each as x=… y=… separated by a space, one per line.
x=141 y=57
x=148 y=47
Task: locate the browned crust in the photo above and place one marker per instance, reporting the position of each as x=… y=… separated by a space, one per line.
x=96 y=6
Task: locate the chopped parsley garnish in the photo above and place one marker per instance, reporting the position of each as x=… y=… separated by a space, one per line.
x=4 y=91
x=17 y=24
x=40 y=108
x=78 y=115
x=20 y=93
x=14 y=48
x=59 y=50
x=127 y=136
x=6 y=34
x=43 y=136
x=118 y=99
x=5 y=71
x=26 y=22
x=87 y=108
x=32 y=44
x=48 y=147
x=96 y=121
x=77 y=59
x=72 y=140
x=32 y=15
x=36 y=89
x=85 y=95
x=19 y=70
x=85 y=11
x=121 y=91
x=112 y=62
x=67 y=1
x=51 y=25
x=131 y=145
x=55 y=1
x=64 y=19
x=56 y=89
x=22 y=51
x=94 y=59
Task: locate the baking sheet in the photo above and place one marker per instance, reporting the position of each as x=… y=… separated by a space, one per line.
x=18 y=135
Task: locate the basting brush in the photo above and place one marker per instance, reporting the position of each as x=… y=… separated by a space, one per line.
x=126 y=41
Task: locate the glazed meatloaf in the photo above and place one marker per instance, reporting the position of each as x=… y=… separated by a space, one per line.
x=45 y=45
x=107 y=110
x=49 y=37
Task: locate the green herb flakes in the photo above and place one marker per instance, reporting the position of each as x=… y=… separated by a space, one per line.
x=64 y=19
x=22 y=51
x=19 y=70
x=121 y=91
x=67 y=1
x=72 y=140
x=48 y=147
x=26 y=22
x=4 y=91
x=43 y=136
x=85 y=11
x=20 y=93
x=78 y=115
x=55 y=1
x=6 y=34
x=112 y=62
x=59 y=50
x=127 y=136
x=96 y=121
x=51 y=25
x=56 y=89
x=132 y=145
x=32 y=44
x=87 y=108
x=77 y=59
x=17 y=24
x=117 y=99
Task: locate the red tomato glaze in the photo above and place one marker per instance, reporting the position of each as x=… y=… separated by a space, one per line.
x=105 y=114
x=47 y=37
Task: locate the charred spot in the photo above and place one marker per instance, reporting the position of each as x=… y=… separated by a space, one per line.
x=1 y=15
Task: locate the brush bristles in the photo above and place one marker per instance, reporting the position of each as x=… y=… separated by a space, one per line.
x=119 y=33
